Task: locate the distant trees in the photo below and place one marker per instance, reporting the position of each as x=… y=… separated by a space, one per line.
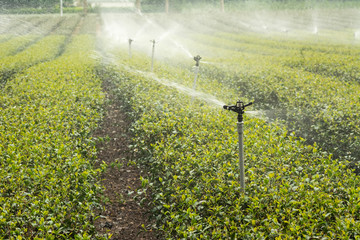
x=176 y=4
x=32 y=3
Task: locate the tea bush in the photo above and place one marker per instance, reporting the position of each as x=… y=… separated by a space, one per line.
x=11 y=46
x=45 y=49
x=292 y=189
x=314 y=91
x=49 y=187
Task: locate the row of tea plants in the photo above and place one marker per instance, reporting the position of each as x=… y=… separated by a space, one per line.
x=190 y=150
x=49 y=187
x=46 y=49
x=311 y=83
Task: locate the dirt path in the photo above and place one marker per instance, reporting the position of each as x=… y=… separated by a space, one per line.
x=123 y=217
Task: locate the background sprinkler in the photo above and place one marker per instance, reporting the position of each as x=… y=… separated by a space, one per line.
x=61 y=8
x=130 y=41
x=196 y=70
x=239 y=108
x=152 y=56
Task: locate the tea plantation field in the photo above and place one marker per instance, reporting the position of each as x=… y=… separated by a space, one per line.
x=301 y=151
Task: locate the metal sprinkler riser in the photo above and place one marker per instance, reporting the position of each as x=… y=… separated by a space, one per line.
x=239 y=108
x=153 y=53
x=130 y=41
x=196 y=70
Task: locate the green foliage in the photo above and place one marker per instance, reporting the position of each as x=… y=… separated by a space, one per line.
x=32 y=3
x=48 y=184
x=49 y=187
x=11 y=46
x=190 y=149
x=317 y=95
x=239 y=5
x=46 y=49
x=309 y=80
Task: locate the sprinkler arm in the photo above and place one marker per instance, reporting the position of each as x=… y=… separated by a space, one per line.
x=197 y=60
x=238 y=108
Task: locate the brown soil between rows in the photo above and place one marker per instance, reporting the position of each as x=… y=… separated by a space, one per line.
x=123 y=217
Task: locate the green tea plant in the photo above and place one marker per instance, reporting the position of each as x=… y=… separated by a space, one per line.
x=49 y=187
x=90 y=24
x=67 y=26
x=190 y=149
x=11 y=46
x=46 y=49
x=318 y=98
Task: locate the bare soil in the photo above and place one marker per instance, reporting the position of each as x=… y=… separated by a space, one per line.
x=123 y=217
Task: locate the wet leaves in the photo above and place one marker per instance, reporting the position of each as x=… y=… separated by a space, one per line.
x=292 y=189
x=49 y=187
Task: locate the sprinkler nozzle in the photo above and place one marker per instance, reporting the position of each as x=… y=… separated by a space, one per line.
x=238 y=108
x=197 y=60
x=130 y=40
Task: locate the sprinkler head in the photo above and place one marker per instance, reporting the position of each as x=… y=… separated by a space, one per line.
x=197 y=60
x=130 y=40
x=238 y=108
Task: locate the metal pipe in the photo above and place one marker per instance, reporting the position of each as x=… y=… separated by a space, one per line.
x=130 y=41
x=240 y=129
x=61 y=8
x=239 y=108
x=153 y=53
x=196 y=71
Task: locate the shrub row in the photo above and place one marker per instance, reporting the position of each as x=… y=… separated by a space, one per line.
x=190 y=149
x=322 y=108
x=11 y=46
x=48 y=184
x=46 y=49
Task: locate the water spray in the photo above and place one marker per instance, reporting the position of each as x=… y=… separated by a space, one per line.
x=152 y=56
x=239 y=108
x=130 y=41
x=196 y=70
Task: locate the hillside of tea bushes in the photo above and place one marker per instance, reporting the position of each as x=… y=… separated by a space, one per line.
x=300 y=180
x=49 y=106
x=307 y=79
x=293 y=189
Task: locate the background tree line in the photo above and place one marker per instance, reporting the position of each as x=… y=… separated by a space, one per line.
x=32 y=3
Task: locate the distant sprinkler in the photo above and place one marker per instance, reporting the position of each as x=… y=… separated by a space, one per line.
x=130 y=41
x=315 y=30
x=196 y=71
x=239 y=108
x=61 y=8
x=356 y=35
x=153 y=53
x=197 y=60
